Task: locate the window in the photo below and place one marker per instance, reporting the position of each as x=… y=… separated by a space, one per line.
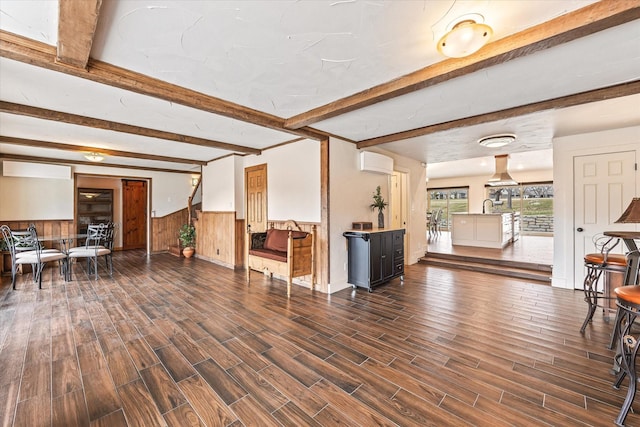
x=450 y=200
x=534 y=201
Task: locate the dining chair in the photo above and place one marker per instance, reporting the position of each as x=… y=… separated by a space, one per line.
x=434 y=223
x=597 y=263
x=112 y=231
x=26 y=249
x=94 y=247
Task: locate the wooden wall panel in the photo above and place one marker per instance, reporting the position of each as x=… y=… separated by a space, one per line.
x=56 y=228
x=320 y=269
x=241 y=230
x=216 y=237
x=164 y=230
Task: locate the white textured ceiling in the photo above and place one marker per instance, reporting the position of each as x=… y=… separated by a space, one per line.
x=287 y=57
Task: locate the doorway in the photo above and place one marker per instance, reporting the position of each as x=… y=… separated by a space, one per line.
x=603 y=186
x=116 y=185
x=255 y=179
x=134 y=214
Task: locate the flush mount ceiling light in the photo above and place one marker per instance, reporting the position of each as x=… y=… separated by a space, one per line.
x=495 y=141
x=94 y=157
x=464 y=38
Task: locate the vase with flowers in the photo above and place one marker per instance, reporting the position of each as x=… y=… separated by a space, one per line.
x=380 y=204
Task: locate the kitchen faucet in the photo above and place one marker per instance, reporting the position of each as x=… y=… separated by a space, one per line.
x=485 y=201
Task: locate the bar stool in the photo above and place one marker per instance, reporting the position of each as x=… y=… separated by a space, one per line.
x=596 y=264
x=628 y=302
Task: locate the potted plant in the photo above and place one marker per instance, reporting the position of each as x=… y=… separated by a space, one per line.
x=187 y=238
x=380 y=204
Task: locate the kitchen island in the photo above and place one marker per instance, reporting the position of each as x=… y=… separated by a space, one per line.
x=493 y=230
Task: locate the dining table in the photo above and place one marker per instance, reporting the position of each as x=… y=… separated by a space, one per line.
x=65 y=241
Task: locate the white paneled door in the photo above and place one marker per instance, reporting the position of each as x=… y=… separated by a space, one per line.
x=604 y=185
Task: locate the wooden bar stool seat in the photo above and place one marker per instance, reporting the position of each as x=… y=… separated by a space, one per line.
x=628 y=301
x=596 y=264
x=613 y=260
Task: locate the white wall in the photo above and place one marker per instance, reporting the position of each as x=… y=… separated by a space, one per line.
x=293 y=180
x=351 y=192
x=239 y=186
x=564 y=151
x=416 y=228
x=218 y=185
x=35 y=199
x=40 y=198
x=477 y=184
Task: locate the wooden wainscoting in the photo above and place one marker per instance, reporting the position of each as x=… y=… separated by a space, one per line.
x=241 y=230
x=56 y=227
x=216 y=237
x=164 y=230
x=47 y=227
x=319 y=244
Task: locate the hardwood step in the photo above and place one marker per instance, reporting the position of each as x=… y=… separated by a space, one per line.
x=516 y=269
x=175 y=250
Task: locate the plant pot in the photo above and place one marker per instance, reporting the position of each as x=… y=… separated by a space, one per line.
x=380 y=219
x=188 y=252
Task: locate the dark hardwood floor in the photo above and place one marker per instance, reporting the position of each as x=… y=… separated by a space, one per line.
x=181 y=342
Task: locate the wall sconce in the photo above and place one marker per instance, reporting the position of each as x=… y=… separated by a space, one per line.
x=464 y=38
x=194 y=181
x=94 y=157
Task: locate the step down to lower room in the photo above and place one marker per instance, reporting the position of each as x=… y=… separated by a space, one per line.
x=516 y=269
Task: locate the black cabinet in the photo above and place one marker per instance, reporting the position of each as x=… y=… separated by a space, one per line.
x=374 y=257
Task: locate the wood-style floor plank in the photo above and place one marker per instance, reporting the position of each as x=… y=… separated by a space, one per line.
x=176 y=342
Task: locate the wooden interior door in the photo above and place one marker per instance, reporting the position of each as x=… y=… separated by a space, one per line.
x=255 y=179
x=134 y=214
x=604 y=184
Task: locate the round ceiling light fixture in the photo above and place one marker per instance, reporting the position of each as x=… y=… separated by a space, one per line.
x=496 y=141
x=465 y=37
x=94 y=157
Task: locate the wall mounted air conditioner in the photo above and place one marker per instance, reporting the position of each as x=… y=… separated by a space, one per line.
x=35 y=170
x=374 y=162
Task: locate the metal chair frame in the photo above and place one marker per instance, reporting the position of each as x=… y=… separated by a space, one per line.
x=97 y=236
x=605 y=245
x=25 y=248
x=625 y=359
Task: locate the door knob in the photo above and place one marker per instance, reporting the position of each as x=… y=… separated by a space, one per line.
x=580 y=229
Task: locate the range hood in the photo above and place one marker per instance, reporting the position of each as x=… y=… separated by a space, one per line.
x=501 y=177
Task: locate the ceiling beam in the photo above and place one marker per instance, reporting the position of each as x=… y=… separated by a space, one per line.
x=571 y=26
x=85 y=149
x=32 y=52
x=74 y=119
x=617 y=91
x=80 y=162
x=77 y=21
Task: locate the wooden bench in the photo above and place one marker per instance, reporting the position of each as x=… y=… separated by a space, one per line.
x=289 y=252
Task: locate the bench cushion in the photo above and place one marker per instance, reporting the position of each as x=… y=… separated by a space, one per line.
x=270 y=254
x=277 y=239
